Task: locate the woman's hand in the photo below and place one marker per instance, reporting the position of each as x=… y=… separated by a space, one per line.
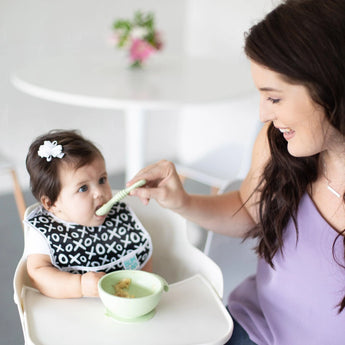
x=162 y=184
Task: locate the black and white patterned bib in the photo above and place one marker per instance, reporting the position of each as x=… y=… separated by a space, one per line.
x=121 y=242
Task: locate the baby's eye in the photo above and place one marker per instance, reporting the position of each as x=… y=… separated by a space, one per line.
x=83 y=189
x=273 y=100
x=102 y=180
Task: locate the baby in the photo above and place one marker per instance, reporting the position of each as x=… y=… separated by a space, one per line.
x=68 y=247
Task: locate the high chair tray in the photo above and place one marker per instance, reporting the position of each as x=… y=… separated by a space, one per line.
x=189 y=313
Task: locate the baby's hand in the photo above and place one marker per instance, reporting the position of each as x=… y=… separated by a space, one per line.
x=89 y=283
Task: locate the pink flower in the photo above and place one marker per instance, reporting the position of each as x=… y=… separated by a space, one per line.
x=140 y=50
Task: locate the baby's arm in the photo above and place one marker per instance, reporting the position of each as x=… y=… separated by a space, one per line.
x=58 y=284
x=148 y=266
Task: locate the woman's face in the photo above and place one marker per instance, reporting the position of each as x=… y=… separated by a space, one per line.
x=301 y=121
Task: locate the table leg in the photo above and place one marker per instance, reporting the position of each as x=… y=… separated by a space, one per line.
x=135 y=123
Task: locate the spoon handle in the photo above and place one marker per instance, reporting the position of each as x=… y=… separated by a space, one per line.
x=117 y=197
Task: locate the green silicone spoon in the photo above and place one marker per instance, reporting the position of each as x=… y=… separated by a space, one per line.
x=117 y=197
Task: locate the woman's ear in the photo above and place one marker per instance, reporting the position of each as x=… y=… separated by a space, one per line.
x=45 y=201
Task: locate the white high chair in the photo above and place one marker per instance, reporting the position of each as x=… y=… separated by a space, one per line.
x=191 y=312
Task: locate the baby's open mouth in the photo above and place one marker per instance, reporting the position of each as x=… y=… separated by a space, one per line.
x=98 y=207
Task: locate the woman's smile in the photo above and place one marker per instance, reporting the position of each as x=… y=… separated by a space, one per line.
x=288 y=133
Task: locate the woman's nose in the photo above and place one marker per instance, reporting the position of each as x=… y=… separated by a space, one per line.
x=265 y=113
x=265 y=117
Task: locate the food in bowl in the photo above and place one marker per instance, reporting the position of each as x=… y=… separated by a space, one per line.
x=121 y=288
x=145 y=287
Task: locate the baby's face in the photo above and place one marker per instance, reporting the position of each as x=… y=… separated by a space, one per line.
x=83 y=191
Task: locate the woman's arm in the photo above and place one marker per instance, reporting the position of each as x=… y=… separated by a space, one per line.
x=58 y=284
x=232 y=214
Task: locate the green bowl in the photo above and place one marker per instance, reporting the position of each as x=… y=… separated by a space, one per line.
x=146 y=288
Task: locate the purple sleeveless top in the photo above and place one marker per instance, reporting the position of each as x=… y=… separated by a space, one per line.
x=296 y=303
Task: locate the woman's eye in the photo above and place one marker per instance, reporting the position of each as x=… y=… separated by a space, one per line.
x=273 y=100
x=102 y=180
x=83 y=189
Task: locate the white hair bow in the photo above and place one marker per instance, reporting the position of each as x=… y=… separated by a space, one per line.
x=50 y=150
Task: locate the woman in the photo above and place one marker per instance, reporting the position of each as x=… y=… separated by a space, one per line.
x=292 y=199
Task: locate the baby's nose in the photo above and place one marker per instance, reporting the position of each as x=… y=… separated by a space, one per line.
x=97 y=193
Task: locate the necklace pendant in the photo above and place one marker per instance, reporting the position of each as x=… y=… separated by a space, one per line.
x=333 y=191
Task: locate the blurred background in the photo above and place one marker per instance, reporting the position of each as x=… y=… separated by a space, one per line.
x=35 y=29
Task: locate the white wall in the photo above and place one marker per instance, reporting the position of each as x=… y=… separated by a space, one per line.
x=36 y=28
x=216 y=28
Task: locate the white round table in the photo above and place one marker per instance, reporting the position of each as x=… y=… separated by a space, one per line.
x=106 y=83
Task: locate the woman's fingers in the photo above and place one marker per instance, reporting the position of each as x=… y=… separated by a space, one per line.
x=146 y=193
x=154 y=173
x=162 y=184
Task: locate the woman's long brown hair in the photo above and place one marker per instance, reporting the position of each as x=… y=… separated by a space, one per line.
x=304 y=41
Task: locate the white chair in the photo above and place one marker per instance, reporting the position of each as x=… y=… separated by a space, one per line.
x=7 y=167
x=217 y=152
x=174 y=258
x=215 y=143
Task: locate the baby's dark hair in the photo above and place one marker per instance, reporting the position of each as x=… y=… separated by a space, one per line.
x=44 y=178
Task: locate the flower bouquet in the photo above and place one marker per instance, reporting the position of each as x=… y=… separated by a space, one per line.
x=138 y=36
